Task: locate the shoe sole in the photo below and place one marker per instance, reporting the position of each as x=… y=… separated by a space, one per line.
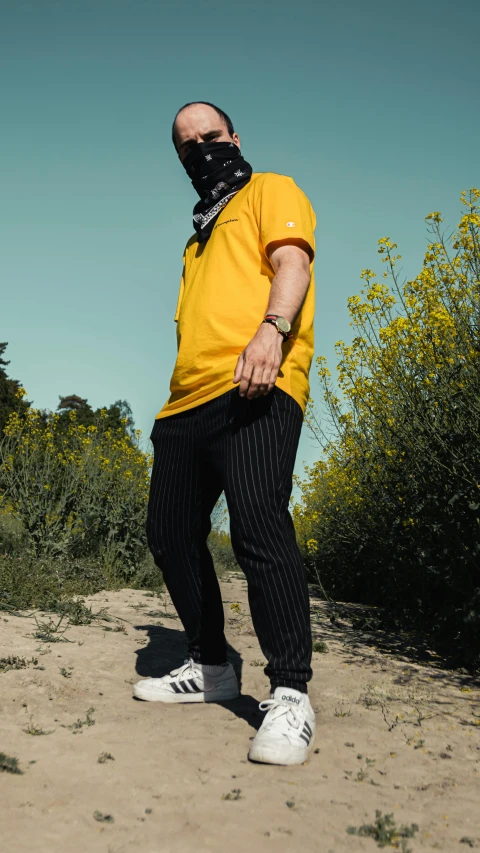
x=185 y=698
x=265 y=755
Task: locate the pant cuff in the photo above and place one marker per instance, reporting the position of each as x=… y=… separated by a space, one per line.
x=218 y=658
x=292 y=685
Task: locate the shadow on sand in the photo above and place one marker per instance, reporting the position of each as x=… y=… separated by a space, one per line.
x=361 y=630
x=166 y=651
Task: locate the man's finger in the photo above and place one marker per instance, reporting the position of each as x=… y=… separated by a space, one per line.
x=238 y=368
x=256 y=378
x=265 y=382
x=272 y=378
x=246 y=376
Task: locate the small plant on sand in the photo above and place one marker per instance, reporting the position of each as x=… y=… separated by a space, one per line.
x=104 y=757
x=363 y=774
x=340 y=712
x=320 y=646
x=234 y=794
x=66 y=671
x=103 y=818
x=385 y=831
x=257 y=662
x=14 y=662
x=164 y=601
x=9 y=764
x=79 y=724
x=77 y=612
x=51 y=631
x=36 y=731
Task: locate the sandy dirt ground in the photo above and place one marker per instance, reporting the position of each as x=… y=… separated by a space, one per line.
x=394 y=734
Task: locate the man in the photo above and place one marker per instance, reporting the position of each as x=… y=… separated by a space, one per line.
x=232 y=423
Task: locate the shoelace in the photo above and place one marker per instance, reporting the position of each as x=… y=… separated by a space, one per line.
x=188 y=666
x=273 y=705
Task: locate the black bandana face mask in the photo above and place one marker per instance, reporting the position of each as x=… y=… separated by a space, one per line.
x=217 y=171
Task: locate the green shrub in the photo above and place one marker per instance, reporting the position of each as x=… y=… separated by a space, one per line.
x=78 y=492
x=12 y=535
x=47 y=582
x=390 y=514
x=221 y=550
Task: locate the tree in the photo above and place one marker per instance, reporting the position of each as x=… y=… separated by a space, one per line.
x=10 y=394
x=118 y=415
x=84 y=414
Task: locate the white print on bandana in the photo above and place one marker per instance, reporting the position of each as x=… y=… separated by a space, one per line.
x=290 y=224
x=218 y=189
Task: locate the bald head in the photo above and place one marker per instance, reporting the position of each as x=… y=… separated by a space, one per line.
x=201 y=122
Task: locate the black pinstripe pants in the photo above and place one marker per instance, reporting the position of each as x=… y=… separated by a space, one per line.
x=246 y=448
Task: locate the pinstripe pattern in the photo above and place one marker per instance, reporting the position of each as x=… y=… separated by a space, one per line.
x=246 y=448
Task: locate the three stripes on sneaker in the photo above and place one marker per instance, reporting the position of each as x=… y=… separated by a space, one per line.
x=306 y=733
x=188 y=686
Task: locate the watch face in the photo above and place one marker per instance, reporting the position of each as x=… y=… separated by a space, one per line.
x=283 y=324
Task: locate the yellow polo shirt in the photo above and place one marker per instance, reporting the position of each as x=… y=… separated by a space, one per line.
x=225 y=289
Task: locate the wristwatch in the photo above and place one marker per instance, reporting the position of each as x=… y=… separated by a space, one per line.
x=281 y=324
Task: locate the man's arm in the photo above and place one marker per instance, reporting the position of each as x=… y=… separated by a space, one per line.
x=258 y=365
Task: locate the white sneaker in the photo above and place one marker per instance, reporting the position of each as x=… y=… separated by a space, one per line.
x=287 y=732
x=190 y=683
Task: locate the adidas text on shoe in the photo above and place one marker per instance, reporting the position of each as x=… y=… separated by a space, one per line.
x=189 y=683
x=287 y=732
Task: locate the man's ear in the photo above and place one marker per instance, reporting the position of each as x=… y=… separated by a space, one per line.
x=236 y=139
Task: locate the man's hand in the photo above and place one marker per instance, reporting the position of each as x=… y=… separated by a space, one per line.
x=257 y=366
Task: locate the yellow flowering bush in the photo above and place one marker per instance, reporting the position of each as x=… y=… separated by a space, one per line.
x=390 y=513
x=79 y=491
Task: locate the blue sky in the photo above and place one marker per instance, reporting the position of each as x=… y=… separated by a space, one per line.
x=371 y=106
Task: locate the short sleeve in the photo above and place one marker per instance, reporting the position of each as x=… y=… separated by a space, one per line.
x=182 y=280
x=180 y=294
x=284 y=212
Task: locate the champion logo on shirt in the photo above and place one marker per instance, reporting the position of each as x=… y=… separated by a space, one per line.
x=290 y=224
x=224 y=223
